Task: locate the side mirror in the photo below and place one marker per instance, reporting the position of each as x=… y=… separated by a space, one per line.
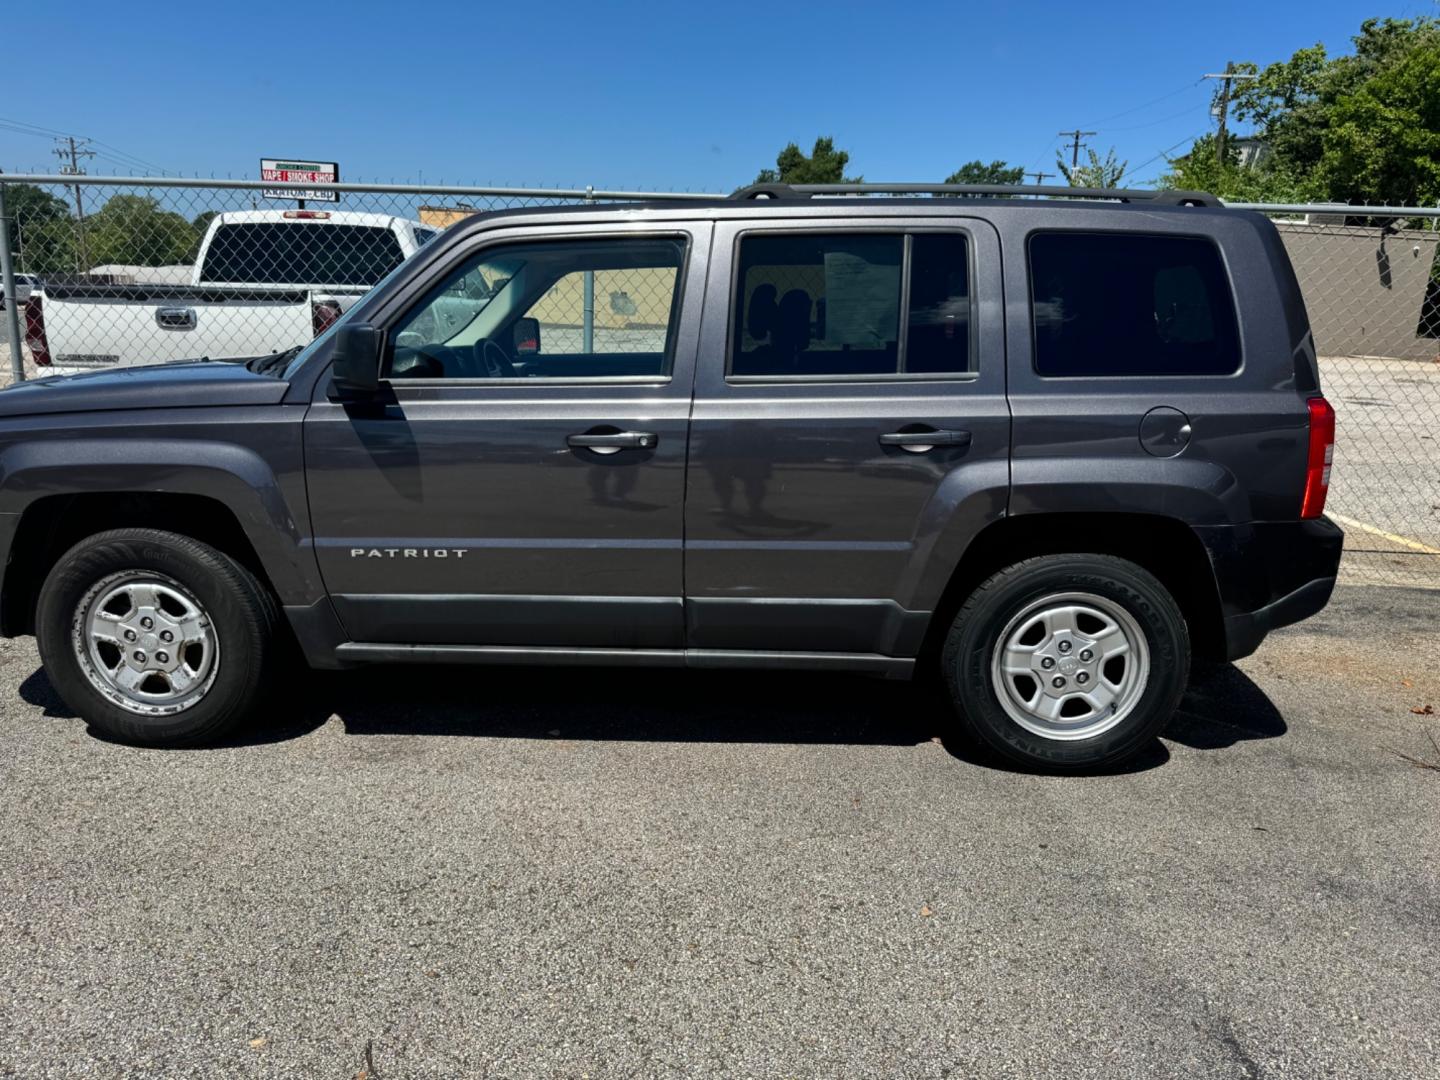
x=527 y=337
x=355 y=363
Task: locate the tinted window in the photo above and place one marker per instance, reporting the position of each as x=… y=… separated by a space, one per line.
x=587 y=309
x=817 y=305
x=939 y=337
x=297 y=253
x=1131 y=305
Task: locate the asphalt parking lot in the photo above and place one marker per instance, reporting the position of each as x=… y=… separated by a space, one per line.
x=535 y=873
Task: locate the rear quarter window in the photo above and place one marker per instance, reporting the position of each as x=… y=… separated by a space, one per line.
x=1107 y=304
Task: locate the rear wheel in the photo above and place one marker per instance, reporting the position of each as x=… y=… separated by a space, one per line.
x=1067 y=661
x=154 y=638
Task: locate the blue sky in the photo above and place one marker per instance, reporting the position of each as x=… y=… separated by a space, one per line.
x=629 y=94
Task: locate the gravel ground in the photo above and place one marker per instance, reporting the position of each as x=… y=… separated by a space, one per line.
x=487 y=873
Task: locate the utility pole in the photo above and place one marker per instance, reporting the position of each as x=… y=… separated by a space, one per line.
x=1039 y=176
x=74 y=150
x=1227 y=78
x=1075 y=145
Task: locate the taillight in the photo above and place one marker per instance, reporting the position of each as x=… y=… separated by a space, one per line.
x=1322 y=453
x=322 y=314
x=35 y=330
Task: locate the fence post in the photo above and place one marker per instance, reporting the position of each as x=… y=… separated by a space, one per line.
x=7 y=275
x=588 y=334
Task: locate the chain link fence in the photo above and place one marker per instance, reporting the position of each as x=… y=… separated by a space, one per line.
x=148 y=271
x=1371 y=281
x=139 y=271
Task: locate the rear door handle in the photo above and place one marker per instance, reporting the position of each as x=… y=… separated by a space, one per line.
x=917 y=442
x=613 y=442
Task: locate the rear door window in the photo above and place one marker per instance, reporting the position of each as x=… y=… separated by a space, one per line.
x=835 y=305
x=1107 y=304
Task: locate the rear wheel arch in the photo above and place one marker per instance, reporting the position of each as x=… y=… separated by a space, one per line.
x=1166 y=547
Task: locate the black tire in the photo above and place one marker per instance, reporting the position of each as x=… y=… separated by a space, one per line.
x=986 y=613
x=242 y=612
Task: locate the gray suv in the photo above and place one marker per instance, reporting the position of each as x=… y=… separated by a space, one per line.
x=1048 y=449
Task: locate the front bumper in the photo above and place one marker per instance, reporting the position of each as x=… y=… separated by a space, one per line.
x=1271 y=574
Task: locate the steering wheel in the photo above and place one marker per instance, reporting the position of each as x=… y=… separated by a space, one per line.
x=421 y=363
x=494 y=360
x=485 y=360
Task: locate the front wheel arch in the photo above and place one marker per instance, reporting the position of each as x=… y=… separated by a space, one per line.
x=52 y=524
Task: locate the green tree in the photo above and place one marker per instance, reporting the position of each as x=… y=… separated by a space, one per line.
x=977 y=172
x=1095 y=173
x=200 y=225
x=42 y=232
x=1272 y=181
x=1356 y=128
x=134 y=230
x=824 y=165
x=1284 y=101
x=1382 y=143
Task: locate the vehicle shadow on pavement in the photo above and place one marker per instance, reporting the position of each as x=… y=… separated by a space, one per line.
x=1222 y=707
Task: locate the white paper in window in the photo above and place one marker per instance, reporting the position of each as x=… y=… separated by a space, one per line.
x=862 y=301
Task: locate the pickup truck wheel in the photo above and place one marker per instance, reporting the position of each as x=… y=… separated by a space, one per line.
x=154 y=638
x=1068 y=662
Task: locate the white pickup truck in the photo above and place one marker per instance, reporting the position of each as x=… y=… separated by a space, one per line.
x=264 y=281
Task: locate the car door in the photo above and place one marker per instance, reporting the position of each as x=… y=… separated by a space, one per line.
x=850 y=432
x=522 y=483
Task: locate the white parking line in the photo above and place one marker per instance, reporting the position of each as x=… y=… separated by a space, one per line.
x=1403 y=541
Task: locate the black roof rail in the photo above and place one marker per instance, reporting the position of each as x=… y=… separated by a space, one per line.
x=768 y=191
x=806 y=191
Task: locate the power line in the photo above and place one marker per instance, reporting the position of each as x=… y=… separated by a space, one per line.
x=34 y=128
x=149 y=165
x=1157 y=157
x=1146 y=105
x=123 y=157
x=1153 y=123
x=1049 y=148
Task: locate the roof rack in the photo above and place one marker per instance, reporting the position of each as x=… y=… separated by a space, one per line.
x=806 y=191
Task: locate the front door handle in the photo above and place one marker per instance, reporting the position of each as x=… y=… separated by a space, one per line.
x=917 y=442
x=612 y=442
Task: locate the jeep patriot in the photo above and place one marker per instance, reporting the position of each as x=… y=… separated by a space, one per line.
x=1047 y=449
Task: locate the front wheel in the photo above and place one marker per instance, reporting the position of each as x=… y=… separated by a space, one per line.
x=1067 y=661
x=154 y=638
